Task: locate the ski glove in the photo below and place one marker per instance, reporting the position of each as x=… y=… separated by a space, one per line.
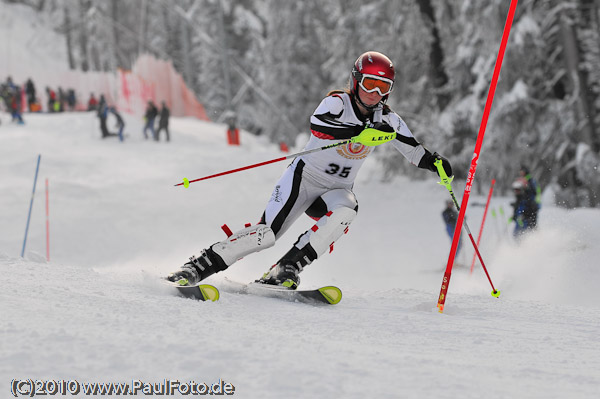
x=428 y=160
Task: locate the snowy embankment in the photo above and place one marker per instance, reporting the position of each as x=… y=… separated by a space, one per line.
x=95 y=312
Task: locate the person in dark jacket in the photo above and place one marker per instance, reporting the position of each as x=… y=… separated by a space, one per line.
x=525 y=209
x=450 y=216
x=103 y=116
x=533 y=188
x=71 y=99
x=163 y=122
x=30 y=91
x=101 y=105
x=149 y=117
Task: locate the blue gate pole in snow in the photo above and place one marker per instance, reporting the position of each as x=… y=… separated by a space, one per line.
x=31 y=204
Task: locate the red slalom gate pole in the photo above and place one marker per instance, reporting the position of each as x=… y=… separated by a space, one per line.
x=475 y=158
x=487 y=205
x=47 y=225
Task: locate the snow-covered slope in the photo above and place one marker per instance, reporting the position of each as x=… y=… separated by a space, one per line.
x=30 y=48
x=97 y=313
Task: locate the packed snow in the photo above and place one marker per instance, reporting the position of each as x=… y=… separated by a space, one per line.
x=97 y=311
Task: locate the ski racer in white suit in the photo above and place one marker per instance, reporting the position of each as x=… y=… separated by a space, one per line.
x=320 y=184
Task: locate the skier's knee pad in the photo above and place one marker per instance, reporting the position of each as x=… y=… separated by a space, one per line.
x=327 y=230
x=244 y=242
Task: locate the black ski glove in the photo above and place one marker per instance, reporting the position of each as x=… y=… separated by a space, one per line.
x=427 y=162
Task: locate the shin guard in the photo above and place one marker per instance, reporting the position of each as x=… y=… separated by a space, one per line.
x=244 y=242
x=327 y=230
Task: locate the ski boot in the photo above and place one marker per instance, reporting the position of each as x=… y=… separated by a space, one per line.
x=221 y=255
x=285 y=272
x=197 y=269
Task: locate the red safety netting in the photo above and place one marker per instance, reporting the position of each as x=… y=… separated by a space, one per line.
x=129 y=91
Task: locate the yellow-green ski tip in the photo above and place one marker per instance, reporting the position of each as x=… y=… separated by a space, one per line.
x=186 y=183
x=333 y=295
x=209 y=292
x=496 y=293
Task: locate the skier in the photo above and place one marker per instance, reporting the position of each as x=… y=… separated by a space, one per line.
x=319 y=184
x=525 y=208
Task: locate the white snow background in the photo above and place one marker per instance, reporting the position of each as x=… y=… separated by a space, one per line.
x=98 y=313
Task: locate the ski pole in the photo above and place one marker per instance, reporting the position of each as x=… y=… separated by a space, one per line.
x=369 y=137
x=446 y=181
x=37 y=168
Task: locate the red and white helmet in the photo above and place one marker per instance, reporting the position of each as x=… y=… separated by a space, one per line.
x=373 y=71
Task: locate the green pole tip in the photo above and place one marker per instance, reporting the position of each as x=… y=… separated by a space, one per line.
x=495 y=293
x=186 y=183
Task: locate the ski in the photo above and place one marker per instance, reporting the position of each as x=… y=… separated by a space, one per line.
x=202 y=292
x=328 y=295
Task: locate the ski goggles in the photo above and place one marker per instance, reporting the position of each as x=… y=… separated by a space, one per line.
x=373 y=83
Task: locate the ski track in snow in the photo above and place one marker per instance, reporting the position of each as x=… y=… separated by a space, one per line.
x=98 y=312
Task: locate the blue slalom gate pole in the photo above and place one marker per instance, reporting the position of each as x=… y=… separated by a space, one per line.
x=31 y=204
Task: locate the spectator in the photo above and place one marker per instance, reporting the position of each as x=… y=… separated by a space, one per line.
x=103 y=115
x=71 y=99
x=51 y=99
x=5 y=95
x=10 y=84
x=15 y=104
x=30 y=91
x=59 y=106
x=101 y=105
x=92 y=103
x=149 y=117
x=163 y=123
x=233 y=133
x=120 y=122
